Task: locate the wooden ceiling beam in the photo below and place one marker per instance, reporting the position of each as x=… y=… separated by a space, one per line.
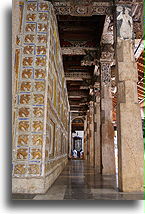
x=69 y=66
x=78 y=36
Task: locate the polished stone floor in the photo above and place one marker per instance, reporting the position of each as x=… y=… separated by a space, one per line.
x=78 y=181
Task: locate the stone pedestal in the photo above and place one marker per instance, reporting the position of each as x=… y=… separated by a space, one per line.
x=107 y=132
x=130 y=139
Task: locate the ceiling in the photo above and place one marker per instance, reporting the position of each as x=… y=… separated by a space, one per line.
x=79 y=33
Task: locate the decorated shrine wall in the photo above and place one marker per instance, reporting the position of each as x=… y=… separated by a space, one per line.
x=40 y=102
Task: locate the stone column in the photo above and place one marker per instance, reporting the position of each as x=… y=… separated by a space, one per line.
x=97 y=127
x=70 y=136
x=130 y=138
x=91 y=133
x=88 y=135
x=107 y=132
x=85 y=138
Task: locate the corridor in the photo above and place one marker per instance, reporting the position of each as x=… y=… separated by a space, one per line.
x=74 y=70
x=79 y=181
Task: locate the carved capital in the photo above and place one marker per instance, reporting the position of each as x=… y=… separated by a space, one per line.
x=107 y=52
x=107 y=56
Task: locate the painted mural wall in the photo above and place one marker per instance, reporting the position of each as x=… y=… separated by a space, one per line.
x=40 y=102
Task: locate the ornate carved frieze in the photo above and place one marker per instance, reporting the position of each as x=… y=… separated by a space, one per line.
x=75 y=51
x=78 y=44
x=83 y=11
x=77 y=75
x=62 y=10
x=83 y=8
x=128 y=1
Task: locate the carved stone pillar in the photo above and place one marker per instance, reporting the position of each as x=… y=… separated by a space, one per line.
x=130 y=137
x=91 y=133
x=107 y=132
x=85 y=138
x=97 y=121
x=88 y=135
x=70 y=137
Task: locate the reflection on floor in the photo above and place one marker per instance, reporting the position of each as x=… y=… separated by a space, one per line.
x=78 y=181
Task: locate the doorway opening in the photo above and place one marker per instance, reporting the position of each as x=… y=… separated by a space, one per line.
x=77 y=141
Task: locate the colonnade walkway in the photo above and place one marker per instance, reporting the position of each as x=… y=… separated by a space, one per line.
x=79 y=181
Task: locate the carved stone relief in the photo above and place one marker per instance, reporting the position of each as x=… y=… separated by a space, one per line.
x=124 y=22
x=106 y=73
x=108 y=34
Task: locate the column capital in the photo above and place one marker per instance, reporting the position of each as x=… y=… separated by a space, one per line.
x=107 y=53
